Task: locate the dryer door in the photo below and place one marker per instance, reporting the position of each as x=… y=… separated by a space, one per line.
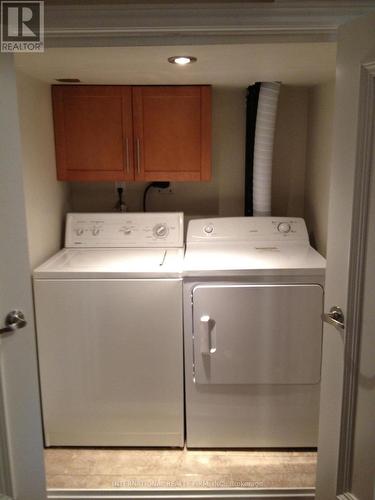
x=257 y=334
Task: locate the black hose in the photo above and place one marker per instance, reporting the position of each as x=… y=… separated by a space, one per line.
x=157 y=184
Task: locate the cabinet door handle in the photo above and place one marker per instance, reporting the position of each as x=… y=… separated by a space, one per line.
x=127 y=155
x=138 y=156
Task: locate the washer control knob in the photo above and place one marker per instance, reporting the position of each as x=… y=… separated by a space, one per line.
x=208 y=229
x=127 y=230
x=160 y=230
x=79 y=231
x=95 y=231
x=284 y=227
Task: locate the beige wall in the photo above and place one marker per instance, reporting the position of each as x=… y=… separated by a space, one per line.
x=289 y=157
x=45 y=197
x=224 y=194
x=318 y=167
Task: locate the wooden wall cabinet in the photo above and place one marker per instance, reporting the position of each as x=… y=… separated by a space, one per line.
x=142 y=133
x=93 y=132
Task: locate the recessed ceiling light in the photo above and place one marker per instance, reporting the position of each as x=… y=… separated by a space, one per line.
x=182 y=60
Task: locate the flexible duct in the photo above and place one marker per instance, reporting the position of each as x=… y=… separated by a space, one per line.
x=263 y=147
x=251 y=118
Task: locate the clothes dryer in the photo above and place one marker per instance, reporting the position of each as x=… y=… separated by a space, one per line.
x=253 y=299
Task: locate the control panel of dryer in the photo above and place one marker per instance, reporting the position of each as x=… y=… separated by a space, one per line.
x=122 y=230
x=235 y=229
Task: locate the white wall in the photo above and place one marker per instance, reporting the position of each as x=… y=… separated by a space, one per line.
x=224 y=194
x=318 y=167
x=45 y=197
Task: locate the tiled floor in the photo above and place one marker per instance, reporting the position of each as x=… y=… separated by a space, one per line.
x=124 y=469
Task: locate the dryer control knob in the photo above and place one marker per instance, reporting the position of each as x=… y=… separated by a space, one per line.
x=79 y=231
x=95 y=231
x=208 y=229
x=284 y=227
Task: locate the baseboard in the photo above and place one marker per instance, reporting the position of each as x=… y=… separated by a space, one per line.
x=264 y=494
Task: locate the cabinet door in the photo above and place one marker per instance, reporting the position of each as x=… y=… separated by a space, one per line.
x=172 y=133
x=93 y=132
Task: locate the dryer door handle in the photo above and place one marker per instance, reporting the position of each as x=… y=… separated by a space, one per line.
x=207 y=335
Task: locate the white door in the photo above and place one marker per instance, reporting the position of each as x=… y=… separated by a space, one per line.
x=251 y=378
x=347 y=444
x=237 y=341
x=21 y=452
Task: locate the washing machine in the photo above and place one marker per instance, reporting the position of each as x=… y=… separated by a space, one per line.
x=253 y=299
x=109 y=332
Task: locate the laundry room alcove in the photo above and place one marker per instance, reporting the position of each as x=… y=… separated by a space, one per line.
x=301 y=167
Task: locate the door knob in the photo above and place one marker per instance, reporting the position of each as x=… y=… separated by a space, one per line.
x=14 y=321
x=335 y=317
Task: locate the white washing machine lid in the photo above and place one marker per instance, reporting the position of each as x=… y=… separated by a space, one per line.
x=93 y=263
x=118 y=245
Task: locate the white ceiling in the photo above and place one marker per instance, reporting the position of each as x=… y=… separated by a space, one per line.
x=221 y=65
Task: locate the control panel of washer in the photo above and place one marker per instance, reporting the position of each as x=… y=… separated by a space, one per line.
x=122 y=230
x=234 y=229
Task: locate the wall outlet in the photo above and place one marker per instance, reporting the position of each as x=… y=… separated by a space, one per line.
x=119 y=184
x=166 y=191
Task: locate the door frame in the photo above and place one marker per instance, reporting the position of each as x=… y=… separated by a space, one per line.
x=364 y=160
x=325 y=28
x=5 y=468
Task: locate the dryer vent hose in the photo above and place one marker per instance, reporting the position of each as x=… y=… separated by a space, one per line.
x=263 y=147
